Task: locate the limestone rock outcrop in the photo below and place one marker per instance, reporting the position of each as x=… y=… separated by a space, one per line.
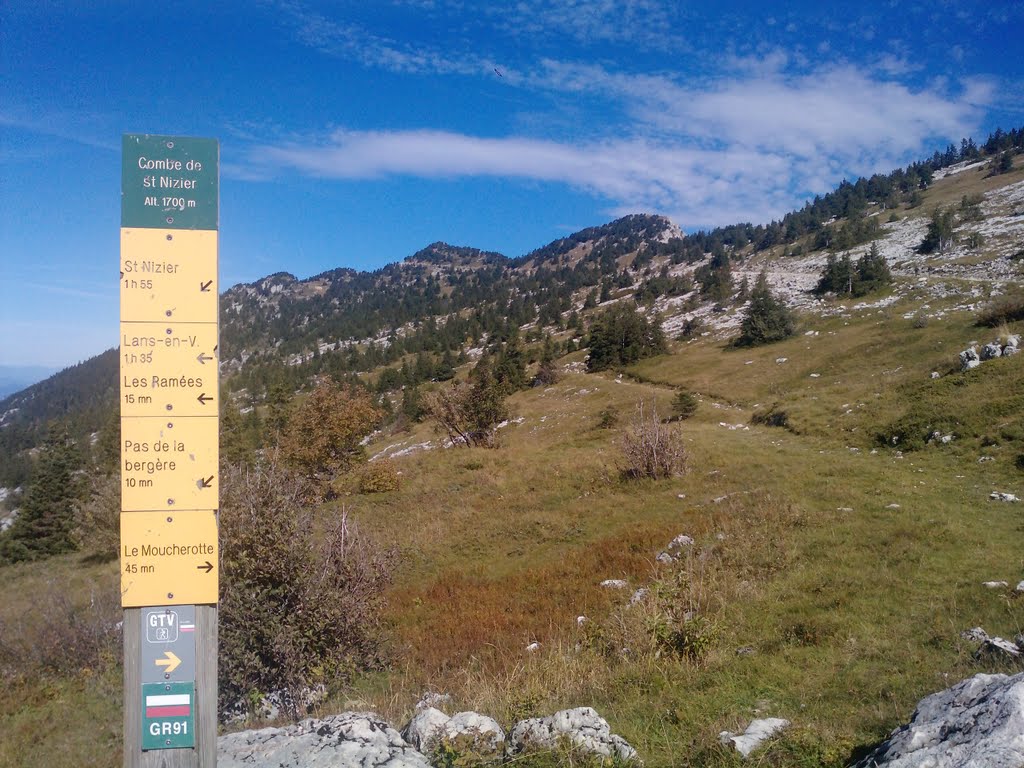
x=977 y=723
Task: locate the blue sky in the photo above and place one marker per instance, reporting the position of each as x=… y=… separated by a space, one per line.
x=354 y=133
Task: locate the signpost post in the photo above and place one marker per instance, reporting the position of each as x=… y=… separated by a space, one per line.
x=170 y=400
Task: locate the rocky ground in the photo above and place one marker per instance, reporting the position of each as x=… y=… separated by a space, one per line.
x=977 y=723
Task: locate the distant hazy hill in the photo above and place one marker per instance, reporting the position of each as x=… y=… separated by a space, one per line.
x=14 y=378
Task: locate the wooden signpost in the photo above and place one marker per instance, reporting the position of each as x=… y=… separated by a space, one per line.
x=170 y=401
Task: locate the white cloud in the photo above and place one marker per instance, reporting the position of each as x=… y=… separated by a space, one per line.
x=695 y=186
x=355 y=42
x=749 y=143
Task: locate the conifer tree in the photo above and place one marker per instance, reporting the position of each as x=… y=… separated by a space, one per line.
x=621 y=335
x=445 y=369
x=45 y=524
x=412 y=403
x=547 y=371
x=510 y=367
x=767 y=319
x=873 y=272
x=939 y=235
x=837 y=277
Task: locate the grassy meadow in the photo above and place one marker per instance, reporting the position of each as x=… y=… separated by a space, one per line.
x=842 y=569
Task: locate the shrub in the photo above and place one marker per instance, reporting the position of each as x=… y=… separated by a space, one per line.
x=684 y=405
x=57 y=636
x=773 y=417
x=913 y=431
x=378 y=477
x=1003 y=309
x=692 y=327
x=608 y=417
x=547 y=374
x=297 y=609
x=651 y=448
x=322 y=436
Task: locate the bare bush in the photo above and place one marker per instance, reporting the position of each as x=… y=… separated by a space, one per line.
x=650 y=447
x=57 y=635
x=299 y=607
x=468 y=412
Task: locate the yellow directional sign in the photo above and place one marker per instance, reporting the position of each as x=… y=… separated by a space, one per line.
x=169 y=464
x=168 y=558
x=169 y=369
x=169 y=662
x=169 y=381
x=169 y=275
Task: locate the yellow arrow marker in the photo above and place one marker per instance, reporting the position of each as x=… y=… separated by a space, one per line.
x=171 y=662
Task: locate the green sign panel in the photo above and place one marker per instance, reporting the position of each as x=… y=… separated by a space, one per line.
x=169 y=182
x=168 y=715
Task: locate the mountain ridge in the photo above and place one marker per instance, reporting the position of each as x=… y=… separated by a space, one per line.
x=444 y=299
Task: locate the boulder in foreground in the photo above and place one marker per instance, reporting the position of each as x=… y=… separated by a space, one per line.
x=978 y=723
x=348 y=740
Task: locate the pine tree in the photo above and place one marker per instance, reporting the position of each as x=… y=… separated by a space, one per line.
x=412 y=403
x=837 y=277
x=872 y=272
x=234 y=444
x=547 y=371
x=715 y=277
x=46 y=522
x=620 y=335
x=278 y=406
x=767 y=319
x=107 y=451
x=939 y=235
x=510 y=367
x=445 y=370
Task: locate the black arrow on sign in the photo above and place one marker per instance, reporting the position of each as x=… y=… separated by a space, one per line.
x=205 y=287
x=206 y=483
x=204 y=398
x=202 y=358
x=208 y=566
